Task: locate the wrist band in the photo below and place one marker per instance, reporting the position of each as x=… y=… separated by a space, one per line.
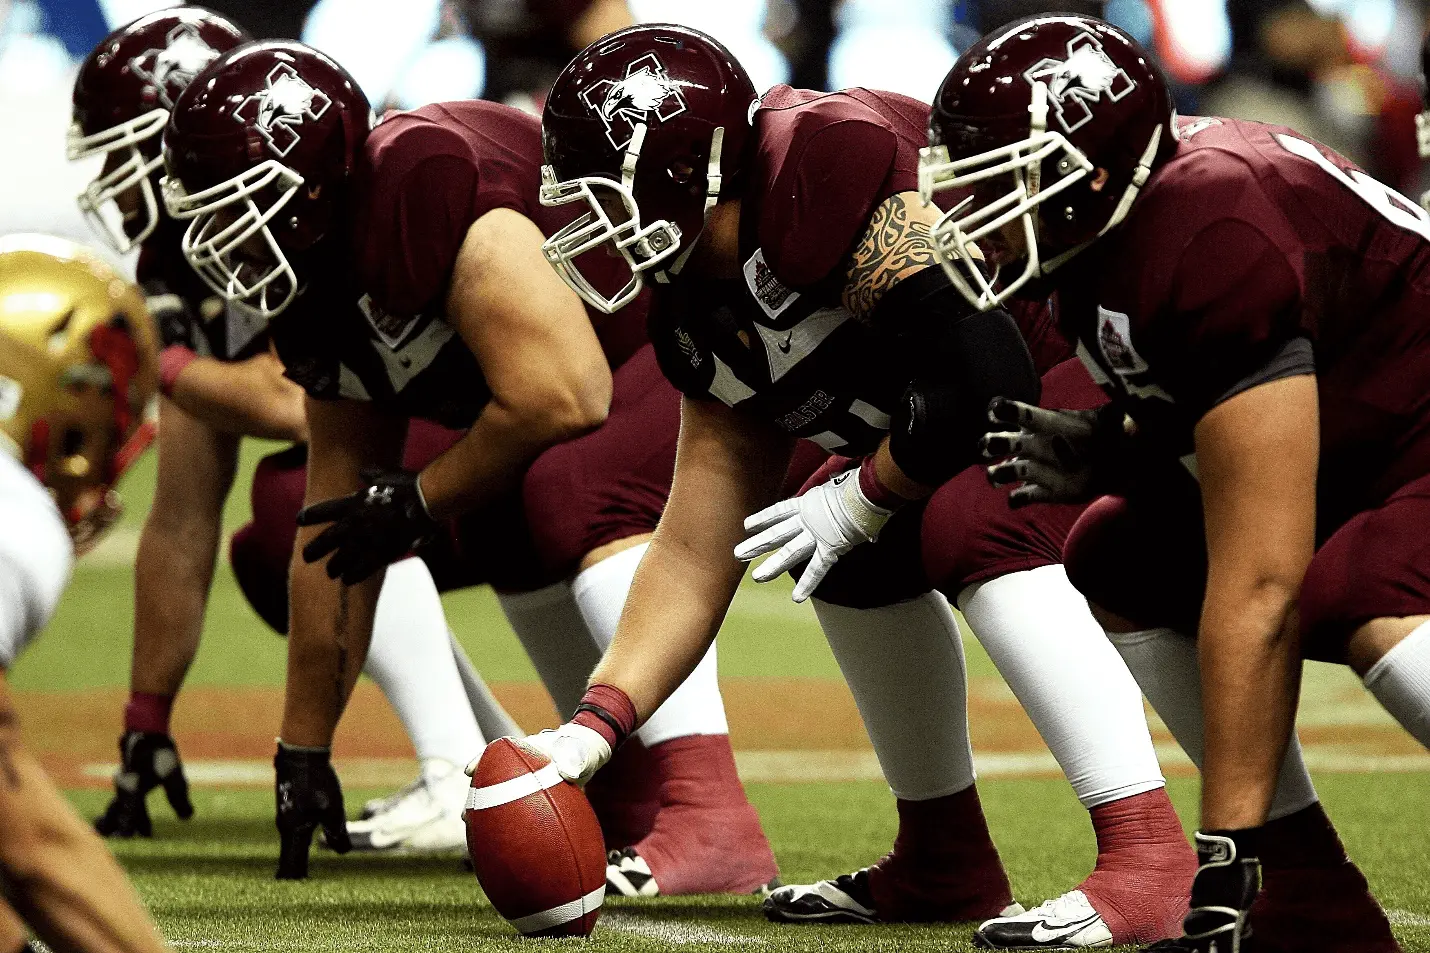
x=874 y=489
x=172 y=361
x=608 y=711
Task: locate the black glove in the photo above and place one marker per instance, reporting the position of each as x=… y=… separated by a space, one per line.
x=172 y=315
x=1227 y=882
x=1060 y=456
x=147 y=760
x=371 y=528
x=308 y=795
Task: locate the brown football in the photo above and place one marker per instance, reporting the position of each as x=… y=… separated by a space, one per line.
x=535 y=843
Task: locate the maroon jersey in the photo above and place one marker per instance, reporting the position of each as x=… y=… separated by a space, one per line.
x=426 y=176
x=1252 y=254
x=202 y=322
x=776 y=342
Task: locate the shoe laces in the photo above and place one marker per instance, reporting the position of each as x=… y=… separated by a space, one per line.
x=1071 y=906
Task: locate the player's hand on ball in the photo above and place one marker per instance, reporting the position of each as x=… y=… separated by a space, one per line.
x=1059 y=456
x=818 y=528
x=577 y=751
x=309 y=796
x=371 y=528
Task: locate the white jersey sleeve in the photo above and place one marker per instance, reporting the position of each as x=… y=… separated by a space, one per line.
x=35 y=558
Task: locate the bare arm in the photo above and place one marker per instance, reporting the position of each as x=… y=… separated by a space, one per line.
x=1257 y=456
x=536 y=347
x=330 y=624
x=725 y=467
x=175 y=563
x=58 y=875
x=248 y=398
x=896 y=246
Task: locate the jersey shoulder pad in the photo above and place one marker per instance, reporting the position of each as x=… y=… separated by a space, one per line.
x=689 y=366
x=823 y=167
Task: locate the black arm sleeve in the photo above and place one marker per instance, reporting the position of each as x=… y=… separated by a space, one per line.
x=959 y=360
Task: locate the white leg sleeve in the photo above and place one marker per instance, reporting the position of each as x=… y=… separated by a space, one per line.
x=904 y=665
x=1054 y=655
x=492 y=720
x=551 y=630
x=695 y=708
x=1401 y=682
x=35 y=558
x=410 y=659
x=1165 y=664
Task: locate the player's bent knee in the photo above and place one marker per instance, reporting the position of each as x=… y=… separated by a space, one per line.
x=1139 y=561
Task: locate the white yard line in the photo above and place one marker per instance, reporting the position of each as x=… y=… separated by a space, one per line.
x=1404 y=918
x=784 y=767
x=672 y=932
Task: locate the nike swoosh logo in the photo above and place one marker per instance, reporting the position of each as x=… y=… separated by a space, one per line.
x=1042 y=934
x=784 y=345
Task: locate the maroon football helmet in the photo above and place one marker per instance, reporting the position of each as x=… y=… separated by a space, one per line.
x=122 y=97
x=646 y=126
x=1024 y=120
x=270 y=127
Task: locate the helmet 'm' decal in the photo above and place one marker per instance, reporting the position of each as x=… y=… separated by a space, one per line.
x=646 y=93
x=1082 y=79
x=279 y=110
x=173 y=67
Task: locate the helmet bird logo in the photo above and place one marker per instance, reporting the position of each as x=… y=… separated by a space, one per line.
x=646 y=92
x=171 y=69
x=1076 y=83
x=279 y=110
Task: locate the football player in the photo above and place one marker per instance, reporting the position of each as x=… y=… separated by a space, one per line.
x=1257 y=308
x=78 y=369
x=221 y=382
x=796 y=295
x=400 y=269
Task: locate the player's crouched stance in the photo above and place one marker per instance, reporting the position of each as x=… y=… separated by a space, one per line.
x=400 y=270
x=797 y=295
x=1206 y=267
x=77 y=370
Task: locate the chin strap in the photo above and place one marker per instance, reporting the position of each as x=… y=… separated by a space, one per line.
x=1140 y=175
x=713 y=183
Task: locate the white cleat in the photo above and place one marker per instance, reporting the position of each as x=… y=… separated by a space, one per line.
x=1066 y=923
x=423 y=817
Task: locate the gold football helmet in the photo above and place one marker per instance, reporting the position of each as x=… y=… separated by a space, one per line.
x=78 y=374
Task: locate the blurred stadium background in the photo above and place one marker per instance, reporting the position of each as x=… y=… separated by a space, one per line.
x=1343 y=71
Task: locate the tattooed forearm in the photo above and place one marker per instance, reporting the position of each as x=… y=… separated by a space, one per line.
x=896 y=245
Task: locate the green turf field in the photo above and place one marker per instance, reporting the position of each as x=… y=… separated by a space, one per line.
x=209 y=882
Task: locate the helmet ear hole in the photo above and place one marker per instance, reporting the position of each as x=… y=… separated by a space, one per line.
x=682 y=171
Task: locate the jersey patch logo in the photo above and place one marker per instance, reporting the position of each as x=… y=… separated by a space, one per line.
x=171 y=69
x=279 y=110
x=646 y=94
x=1114 y=340
x=774 y=298
x=392 y=329
x=1076 y=83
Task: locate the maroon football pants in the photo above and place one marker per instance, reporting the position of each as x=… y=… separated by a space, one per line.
x=964 y=533
x=1144 y=558
x=608 y=485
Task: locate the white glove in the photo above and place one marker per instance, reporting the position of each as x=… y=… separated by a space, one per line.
x=819 y=526
x=577 y=751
